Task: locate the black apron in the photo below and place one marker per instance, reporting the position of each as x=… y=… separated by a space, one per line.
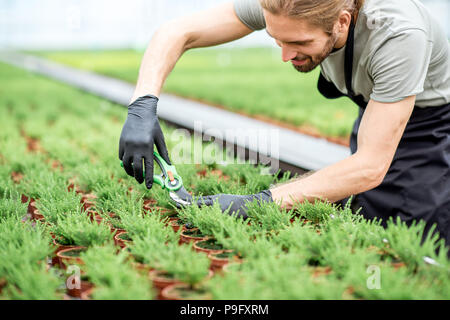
x=417 y=185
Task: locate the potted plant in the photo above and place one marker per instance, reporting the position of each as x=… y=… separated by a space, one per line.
x=170 y=261
x=163 y=212
x=33 y=282
x=139 y=263
x=191 y=235
x=408 y=246
x=60 y=242
x=269 y=217
x=3 y=284
x=88 y=200
x=122 y=239
x=317 y=212
x=87 y=294
x=183 y=291
x=112 y=275
x=143 y=226
x=85 y=288
x=115 y=223
x=162 y=205
x=76 y=230
x=81 y=231
x=148 y=248
x=31 y=206
x=162 y=279
x=36 y=215
x=220 y=259
x=208 y=246
x=183 y=265
x=176 y=224
x=70 y=256
x=149 y=204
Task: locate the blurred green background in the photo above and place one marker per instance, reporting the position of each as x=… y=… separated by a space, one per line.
x=253 y=81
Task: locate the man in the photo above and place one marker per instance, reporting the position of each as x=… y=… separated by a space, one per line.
x=389 y=56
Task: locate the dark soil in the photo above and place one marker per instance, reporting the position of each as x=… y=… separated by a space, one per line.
x=192 y=293
x=72 y=253
x=165 y=275
x=125 y=236
x=210 y=244
x=138 y=259
x=225 y=255
x=179 y=222
x=195 y=233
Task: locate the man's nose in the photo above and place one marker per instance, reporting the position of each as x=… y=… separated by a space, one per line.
x=287 y=54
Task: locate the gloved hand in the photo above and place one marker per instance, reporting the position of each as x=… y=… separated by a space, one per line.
x=140 y=131
x=237 y=202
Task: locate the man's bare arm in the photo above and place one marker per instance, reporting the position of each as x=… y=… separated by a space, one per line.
x=206 y=28
x=381 y=129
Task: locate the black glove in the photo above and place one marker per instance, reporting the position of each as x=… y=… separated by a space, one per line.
x=140 y=131
x=237 y=203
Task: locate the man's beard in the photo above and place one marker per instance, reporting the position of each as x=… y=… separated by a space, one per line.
x=313 y=62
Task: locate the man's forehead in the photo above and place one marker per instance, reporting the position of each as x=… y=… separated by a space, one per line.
x=288 y=29
x=291 y=37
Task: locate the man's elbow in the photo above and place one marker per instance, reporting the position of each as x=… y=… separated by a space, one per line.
x=373 y=173
x=373 y=177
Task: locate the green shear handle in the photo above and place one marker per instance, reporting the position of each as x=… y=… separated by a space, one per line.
x=169 y=178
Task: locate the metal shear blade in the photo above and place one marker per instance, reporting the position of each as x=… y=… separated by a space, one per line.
x=181 y=197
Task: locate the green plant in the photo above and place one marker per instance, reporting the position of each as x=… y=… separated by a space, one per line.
x=300 y=237
x=184 y=263
x=23 y=261
x=54 y=207
x=113 y=276
x=147 y=226
x=21 y=242
x=33 y=283
x=47 y=138
x=10 y=206
x=409 y=244
x=317 y=212
x=268 y=216
x=80 y=230
x=281 y=276
x=209 y=219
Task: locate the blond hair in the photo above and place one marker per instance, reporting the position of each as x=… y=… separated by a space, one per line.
x=322 y=13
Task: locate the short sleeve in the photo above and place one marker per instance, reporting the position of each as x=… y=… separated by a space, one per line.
x=399 y=67
x=250 y=13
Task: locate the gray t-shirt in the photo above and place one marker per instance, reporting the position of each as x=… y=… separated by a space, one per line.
x=400 y=50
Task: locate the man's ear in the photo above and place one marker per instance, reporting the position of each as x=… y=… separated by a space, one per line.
x=343 y=23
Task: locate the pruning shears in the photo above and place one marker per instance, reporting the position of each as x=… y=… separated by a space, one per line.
x=170 y=179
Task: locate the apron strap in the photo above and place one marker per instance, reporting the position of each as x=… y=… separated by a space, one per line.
x=348 y=68
x=329 y=90
x=348 y=64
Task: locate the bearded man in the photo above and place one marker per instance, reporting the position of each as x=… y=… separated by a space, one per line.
x=389 y=56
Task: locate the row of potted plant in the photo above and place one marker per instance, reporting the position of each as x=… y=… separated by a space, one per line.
x=23 y=258
x=315 y=251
